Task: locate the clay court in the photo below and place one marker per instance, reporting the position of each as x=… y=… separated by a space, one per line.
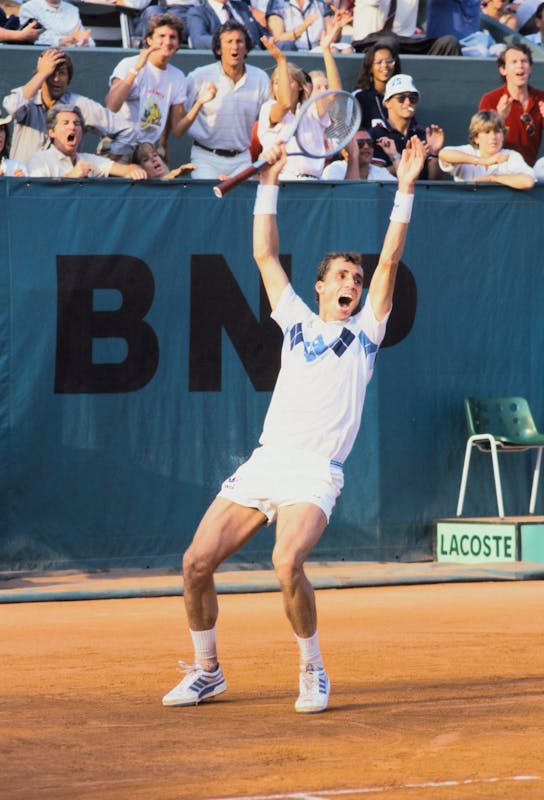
x=437 y=694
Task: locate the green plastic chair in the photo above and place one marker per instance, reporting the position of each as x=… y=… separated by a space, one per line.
x=500 y=424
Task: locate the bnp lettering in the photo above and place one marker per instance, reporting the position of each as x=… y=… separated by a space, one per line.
x=217 y=307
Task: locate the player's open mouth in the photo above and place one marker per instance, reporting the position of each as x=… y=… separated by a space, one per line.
x=71 y=137
x=344 y=301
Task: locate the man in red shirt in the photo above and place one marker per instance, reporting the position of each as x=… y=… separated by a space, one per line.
x=520 y=105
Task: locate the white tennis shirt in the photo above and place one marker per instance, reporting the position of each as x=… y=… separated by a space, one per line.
x=318 y=399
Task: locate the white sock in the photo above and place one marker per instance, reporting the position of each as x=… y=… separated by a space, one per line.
x=309 y=652
x=205 y=645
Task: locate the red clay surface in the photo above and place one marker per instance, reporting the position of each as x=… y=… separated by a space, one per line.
x=438 y=694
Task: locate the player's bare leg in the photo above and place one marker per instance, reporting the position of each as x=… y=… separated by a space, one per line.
x=225 y=527
x=299 y=528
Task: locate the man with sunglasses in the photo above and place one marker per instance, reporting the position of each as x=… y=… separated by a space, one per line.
x=520 y=105
x=390 y=138
x=357 y=162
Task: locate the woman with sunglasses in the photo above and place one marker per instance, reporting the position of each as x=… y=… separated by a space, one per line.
x=484 y=160
x=379 y=64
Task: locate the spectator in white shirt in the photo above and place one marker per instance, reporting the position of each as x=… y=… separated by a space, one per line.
x=484 y=160
x=356 y=164
x=222 y=132
x=49 y=85
x=61 y=23
x=63 y=160
x=150 y=92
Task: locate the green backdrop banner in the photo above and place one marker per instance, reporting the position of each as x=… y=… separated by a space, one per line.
x=137 y=359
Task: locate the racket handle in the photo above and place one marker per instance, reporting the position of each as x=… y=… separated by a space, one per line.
x=231 y=183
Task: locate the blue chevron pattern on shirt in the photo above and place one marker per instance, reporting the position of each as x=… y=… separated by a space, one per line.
x=317 y=347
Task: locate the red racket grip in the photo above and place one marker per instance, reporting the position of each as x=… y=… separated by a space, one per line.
x=231 y=183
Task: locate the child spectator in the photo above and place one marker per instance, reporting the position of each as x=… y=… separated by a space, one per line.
x=484 y=160
x=148 y=157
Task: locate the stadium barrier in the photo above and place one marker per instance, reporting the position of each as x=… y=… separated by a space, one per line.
x=137 y=359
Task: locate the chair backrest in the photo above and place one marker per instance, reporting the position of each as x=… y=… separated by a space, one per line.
x=508 y=419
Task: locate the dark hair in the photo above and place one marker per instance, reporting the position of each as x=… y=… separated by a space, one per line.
x=328 y=258
x=62 y=108
x=365 y=79
x=65 y=62
x=521 y=47
x=5 y=149
x=226 y=27
x=164 y=21
x=539 y=10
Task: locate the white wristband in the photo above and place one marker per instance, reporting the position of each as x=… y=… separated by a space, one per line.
x=402 y=207
x=266 y=201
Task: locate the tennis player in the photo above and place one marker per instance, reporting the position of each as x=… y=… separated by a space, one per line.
x=296 y=474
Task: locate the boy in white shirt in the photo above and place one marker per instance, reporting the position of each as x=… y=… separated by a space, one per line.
x=484 y=160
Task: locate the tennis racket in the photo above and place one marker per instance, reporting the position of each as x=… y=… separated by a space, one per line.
x=343 y=112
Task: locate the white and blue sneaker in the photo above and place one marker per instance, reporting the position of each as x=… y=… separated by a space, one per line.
x=197 y=685
x=314 y=690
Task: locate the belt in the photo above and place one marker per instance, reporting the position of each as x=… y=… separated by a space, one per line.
x=218 y=152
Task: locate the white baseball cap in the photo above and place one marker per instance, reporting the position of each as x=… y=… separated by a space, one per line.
x=398 y=84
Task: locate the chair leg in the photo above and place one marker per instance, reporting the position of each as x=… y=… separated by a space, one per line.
x=536 y=477
x=497 y=476
x=125 y=26
x=464 y=477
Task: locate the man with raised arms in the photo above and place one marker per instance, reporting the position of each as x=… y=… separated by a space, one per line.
x=296 y=474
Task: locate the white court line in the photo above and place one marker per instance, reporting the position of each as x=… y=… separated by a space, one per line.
x=323 y=794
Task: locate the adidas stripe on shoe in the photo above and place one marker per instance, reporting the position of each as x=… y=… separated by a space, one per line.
x=197 y=685
x=314 y=689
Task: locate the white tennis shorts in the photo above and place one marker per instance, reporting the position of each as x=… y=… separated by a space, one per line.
x=277 y=476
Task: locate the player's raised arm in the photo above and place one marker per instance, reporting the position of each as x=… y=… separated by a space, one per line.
x=383 y=280
x=265 y=229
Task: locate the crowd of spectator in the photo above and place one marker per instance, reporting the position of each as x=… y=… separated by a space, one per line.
x=232 y=110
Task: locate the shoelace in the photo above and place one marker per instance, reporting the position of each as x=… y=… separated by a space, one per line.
x=187 y=669
x=310 y=679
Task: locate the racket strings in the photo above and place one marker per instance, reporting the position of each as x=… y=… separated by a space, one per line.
x=343 y=113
